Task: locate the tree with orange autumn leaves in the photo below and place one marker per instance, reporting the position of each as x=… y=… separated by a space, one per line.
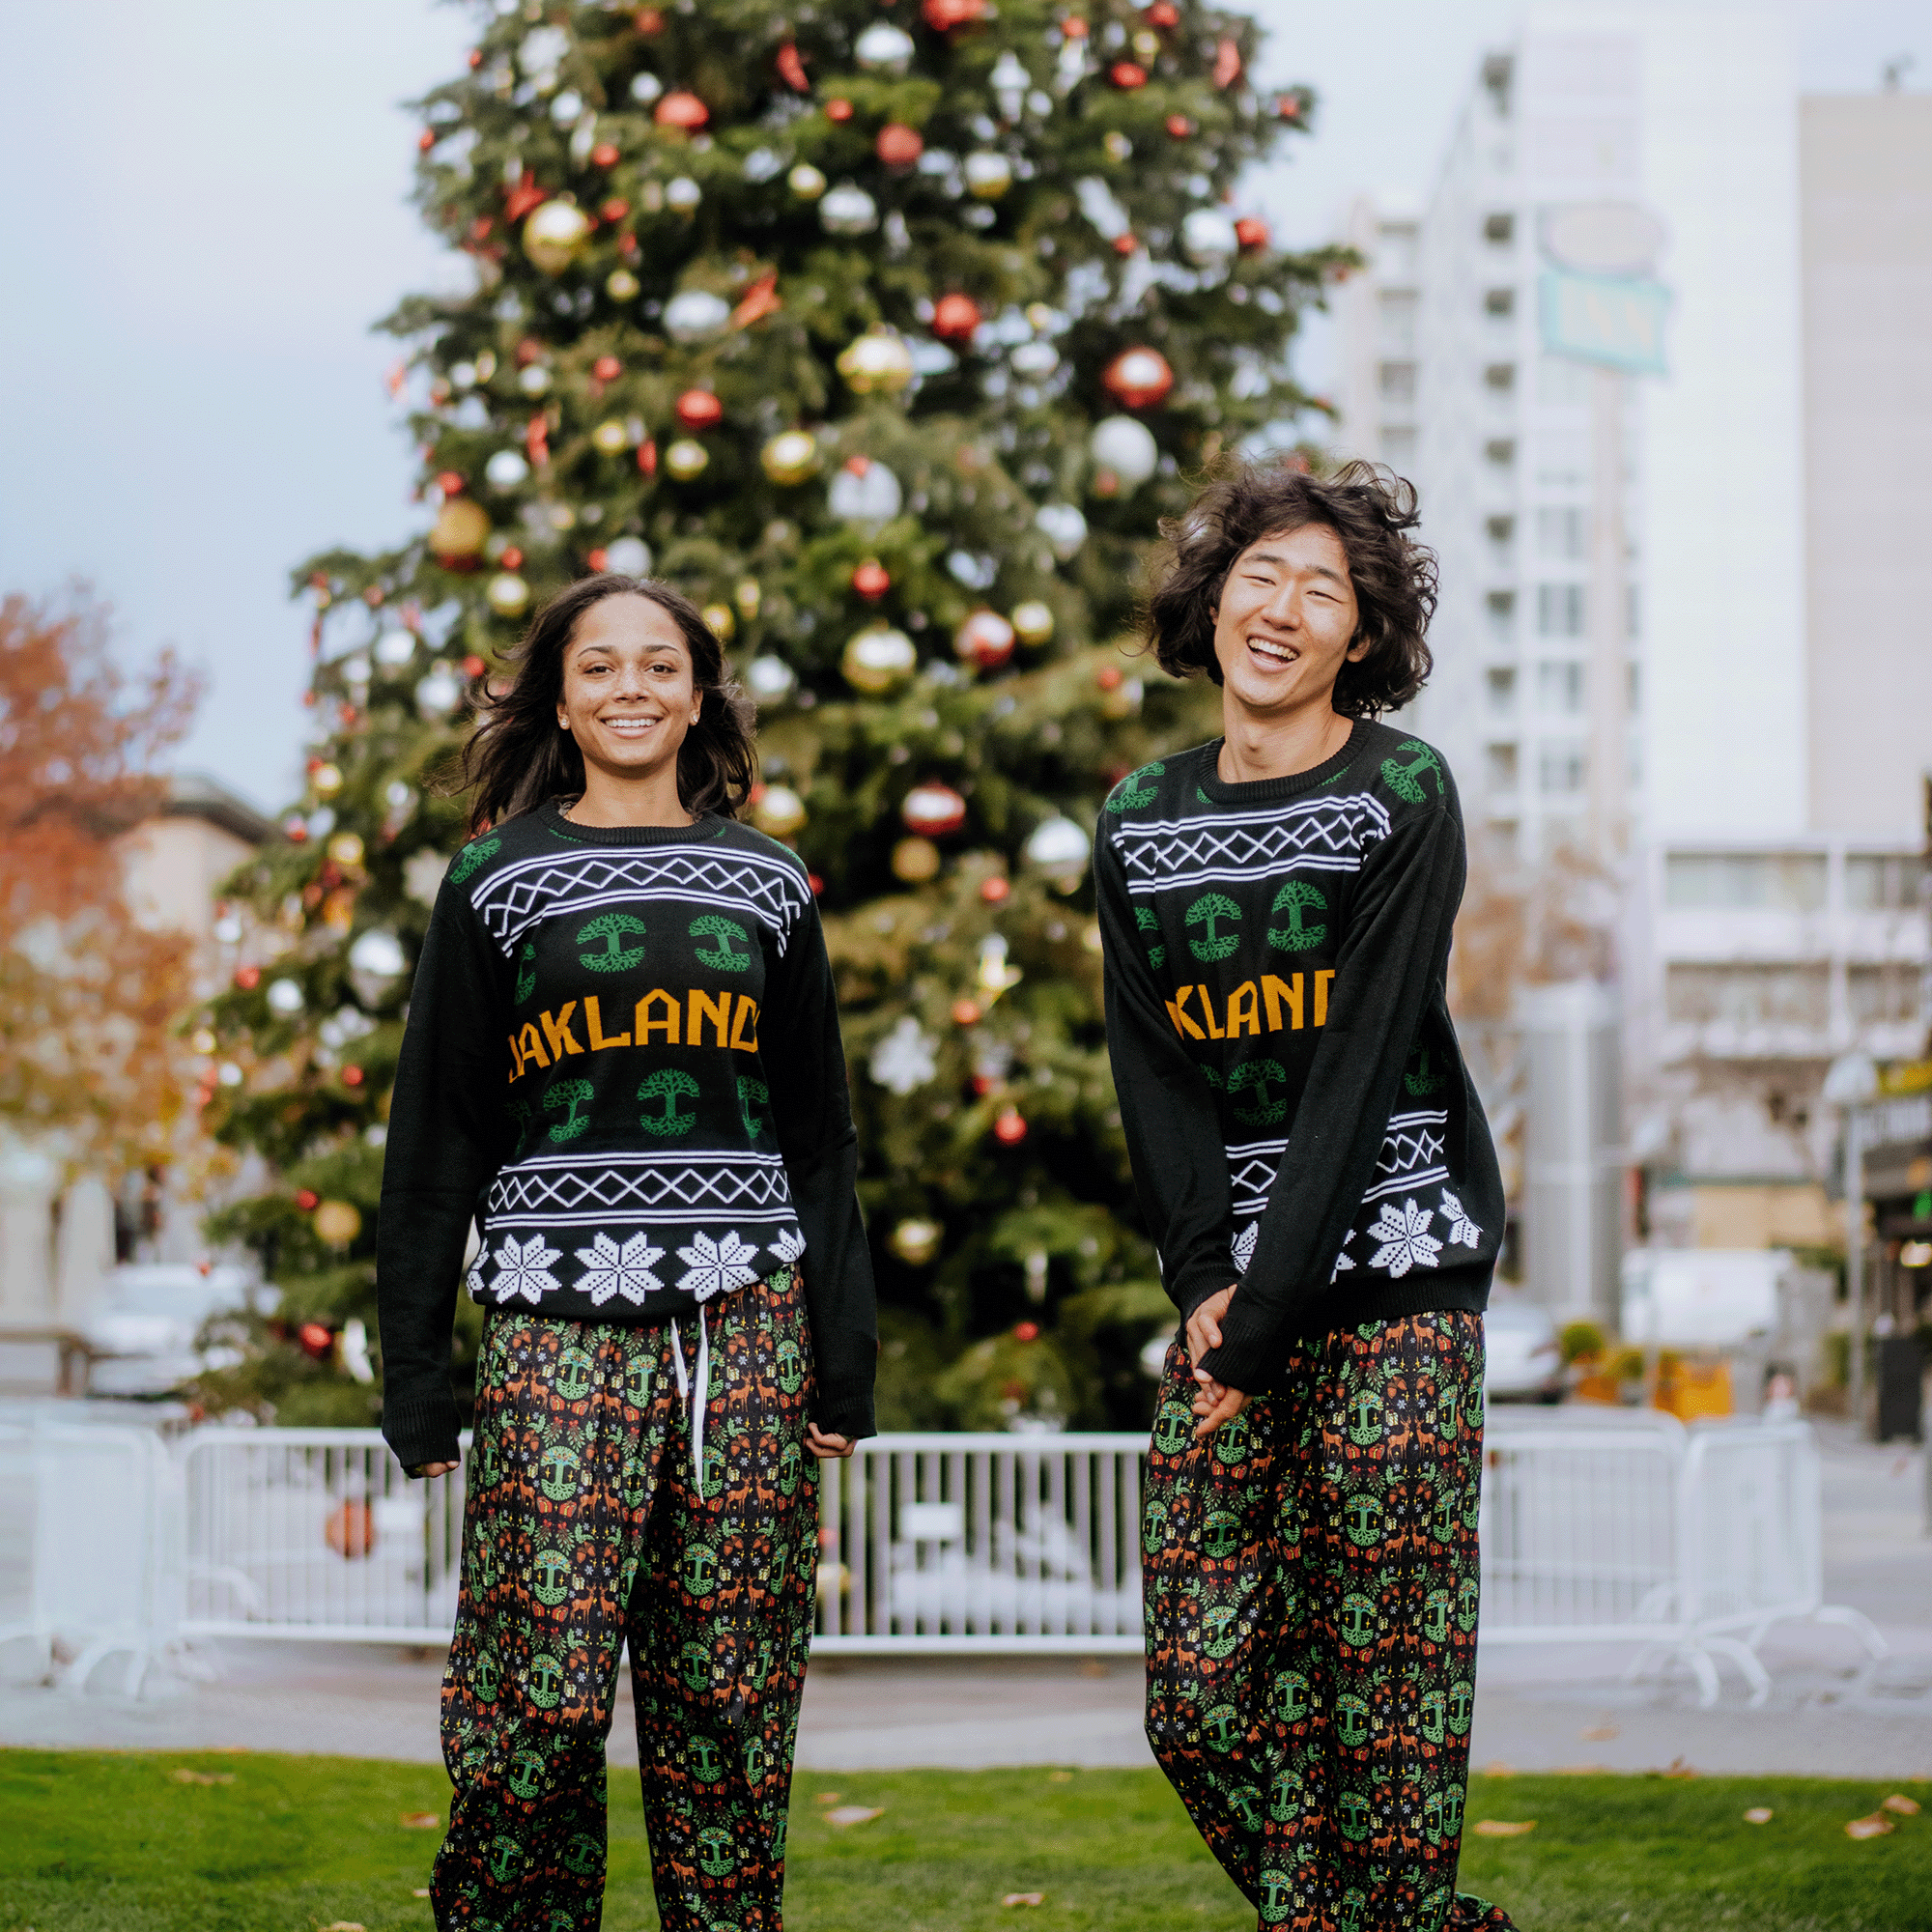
x=90 y=1066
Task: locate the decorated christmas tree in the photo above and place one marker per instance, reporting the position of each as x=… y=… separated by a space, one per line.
x=888 y=333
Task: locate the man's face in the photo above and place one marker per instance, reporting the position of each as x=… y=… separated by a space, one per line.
x=1286 y=617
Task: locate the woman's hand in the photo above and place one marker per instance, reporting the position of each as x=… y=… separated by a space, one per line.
x=431 y=1469
x=826 y=1447
x=1215 y=1403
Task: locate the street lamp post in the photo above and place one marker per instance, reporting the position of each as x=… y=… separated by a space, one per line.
x=1852 y=1081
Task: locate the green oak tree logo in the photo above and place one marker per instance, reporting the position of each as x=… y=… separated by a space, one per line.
x=1209 y=910
x=472 y=858
x=612 y=928
x=1419 y=1077
x=721 y=958
x=1295 y=898
x=667 y=1086
x=752 y=1095
x=1145 y=921
x=1258 y=1077
x=527 y=971
x=1406 y=781
x=1133 y=792
x=575 y=1094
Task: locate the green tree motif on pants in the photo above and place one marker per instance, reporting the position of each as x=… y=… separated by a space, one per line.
x=1208 y=910
x=612 y=928
x=721 y=958
x=669 y=1085
x=571 y=1094
x=1406 y=781
x=1296 y=897
x=1259 y=1075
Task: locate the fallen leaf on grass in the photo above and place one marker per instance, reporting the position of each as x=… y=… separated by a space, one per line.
x=1503 y=1827
x=1060 y=1778
x=1906 y=1808
x=1024 y=1899
x=186 y=1776
x=829 y=1797
x=860 y=1814
x=419 y=1821
x=1598 y=1734
x=1676 y=1768
x=1759 y=1814
x=343 y=1925
x=1496 y=1767
x=1873 y=1827
x=421 y=1891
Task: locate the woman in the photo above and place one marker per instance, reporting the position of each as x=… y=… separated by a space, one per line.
x=1314 y=1164
x=623 y=1062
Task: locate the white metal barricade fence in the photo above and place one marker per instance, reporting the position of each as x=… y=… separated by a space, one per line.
x=1691 y=1543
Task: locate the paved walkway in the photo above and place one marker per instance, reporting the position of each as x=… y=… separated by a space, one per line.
x=1537 y=1709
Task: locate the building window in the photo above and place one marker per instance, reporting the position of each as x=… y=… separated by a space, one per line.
x=1501 y=531
x=1882 y=881
x=1501 y=607
x=1500 y=378
x=1561 y=535
x=1560 y=689
x=1499 y=230
x=1501 y=682
x=1882 y=995
x=1499 y=767
x=1560 y=770
x=1560 y=610
x=1500 y=451
x=1748 y=996
x=1397 y=321
x=1499 y=303
x=1397 y=381
x=1745 y=881
x=1499 y=77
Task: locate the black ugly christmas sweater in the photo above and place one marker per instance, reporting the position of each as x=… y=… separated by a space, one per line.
x=1296 y=1109
x=622 y=1061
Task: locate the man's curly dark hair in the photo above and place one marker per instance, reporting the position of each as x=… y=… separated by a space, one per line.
x=1370 y=510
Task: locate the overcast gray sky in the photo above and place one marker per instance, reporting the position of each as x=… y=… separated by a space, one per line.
x=208 y=213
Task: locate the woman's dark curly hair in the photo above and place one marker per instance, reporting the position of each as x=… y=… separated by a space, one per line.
x=1370 y=509
x=516 y=759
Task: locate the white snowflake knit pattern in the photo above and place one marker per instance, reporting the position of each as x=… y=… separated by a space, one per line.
x=609 y=1269
x=1245 y=1246
x=1459 y=1227
x=788 y=1246
x=522 y=1269
x=715 y=1267
x=1404 y=1237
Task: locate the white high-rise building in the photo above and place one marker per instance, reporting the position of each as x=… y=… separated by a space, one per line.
x=1682 y=629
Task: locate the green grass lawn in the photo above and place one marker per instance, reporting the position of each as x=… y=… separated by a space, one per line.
x=112 y=1842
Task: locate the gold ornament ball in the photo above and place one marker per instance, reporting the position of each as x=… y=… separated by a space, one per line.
x=914 y=861
x=338 y=1222
x=779 y=813
x=621 y=286
x=346 y=848
x=326 y=780
x=988 y=175
x=1033 y=622
x=720 y=622
x=553 y=235
x=878 y=659
x=748 y=597
x=508 y=594
x=462 y=528
x=610 y=438
x=805 y=181
x=790 y=457
x=875 y=363
x=916 y=1242
x=685 y=460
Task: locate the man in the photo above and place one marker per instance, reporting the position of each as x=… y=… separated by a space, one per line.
x=1316 y=1170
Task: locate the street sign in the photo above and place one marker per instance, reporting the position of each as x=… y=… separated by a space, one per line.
x=1616 y=320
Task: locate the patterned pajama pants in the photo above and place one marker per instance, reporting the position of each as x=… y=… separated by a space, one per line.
x=1311 y=1625
x=584 y=1527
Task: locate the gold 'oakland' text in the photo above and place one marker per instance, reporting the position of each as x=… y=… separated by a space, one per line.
x=1284 y=1005
x=659 y=1018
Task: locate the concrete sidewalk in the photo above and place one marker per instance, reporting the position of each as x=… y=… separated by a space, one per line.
x=1537 y=1709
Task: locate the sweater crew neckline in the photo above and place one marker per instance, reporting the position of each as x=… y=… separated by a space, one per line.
x=1262 y=791
x=706 y=825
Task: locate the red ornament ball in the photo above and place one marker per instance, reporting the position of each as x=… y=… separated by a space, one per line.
x=1289 y=106
x=838 y=108
x=995 y=891
x=604 y=155
x=597 y=560
x=1010 y=1128
x=898 y=146
x=955 y=317
x=965 y=1013
x=1108 y=678
x=1162 y=15
x=871 y=580
x=985 y=639
x=1252 y=233
x=933 y=810
x=247 y=978
x=450 y=482
x=699 y=409
x=648 y=20
x=512 y=558
x=1137 y=378
x=426 y=140
x=316 y=1339
x=1179 y=127
x=1124 y=244
x=606 y=368
x=1026 y=1331
x=473 y=666
x=615 y=210
x=681 y=110
x=352 y=1076
x=1128 y=74
x=307 y=1197
x=943 y=15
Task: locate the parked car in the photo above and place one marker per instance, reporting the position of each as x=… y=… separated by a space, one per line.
x=1523 y=1360
x=143 y=1327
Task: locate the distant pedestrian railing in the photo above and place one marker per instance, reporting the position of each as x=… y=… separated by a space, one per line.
x=1596 y=1529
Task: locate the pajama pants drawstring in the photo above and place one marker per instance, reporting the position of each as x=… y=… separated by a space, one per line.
x=695 y=1410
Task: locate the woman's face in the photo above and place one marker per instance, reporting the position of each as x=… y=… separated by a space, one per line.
x=628 y=694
